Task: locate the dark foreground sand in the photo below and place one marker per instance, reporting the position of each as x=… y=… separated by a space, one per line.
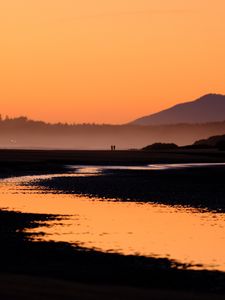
x=20 y=287
x=58 y=271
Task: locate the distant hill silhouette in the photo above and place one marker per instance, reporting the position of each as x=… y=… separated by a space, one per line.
x=213 y=141
x=160 y=146
x=209 y=108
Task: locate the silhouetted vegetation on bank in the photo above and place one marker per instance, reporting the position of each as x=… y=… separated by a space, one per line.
x=213 y=142
x=160 y=146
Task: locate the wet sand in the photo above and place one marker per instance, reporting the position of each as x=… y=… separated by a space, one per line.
x=200 y=187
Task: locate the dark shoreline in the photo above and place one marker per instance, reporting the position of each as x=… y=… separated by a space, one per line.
x=61 y=261
x=103 y=157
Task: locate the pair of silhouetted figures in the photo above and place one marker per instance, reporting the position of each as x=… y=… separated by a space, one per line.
x=113 y=147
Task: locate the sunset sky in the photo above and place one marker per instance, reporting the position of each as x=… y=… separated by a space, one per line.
x=108 y=61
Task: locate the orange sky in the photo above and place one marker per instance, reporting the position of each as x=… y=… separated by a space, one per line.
x=108 y=61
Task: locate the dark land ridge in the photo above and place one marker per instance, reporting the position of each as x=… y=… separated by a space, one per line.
x=213 y=142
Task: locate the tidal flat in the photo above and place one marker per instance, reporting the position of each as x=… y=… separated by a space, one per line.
x=109 y=274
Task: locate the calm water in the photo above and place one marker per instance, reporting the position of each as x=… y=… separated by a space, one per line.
x=184 y=234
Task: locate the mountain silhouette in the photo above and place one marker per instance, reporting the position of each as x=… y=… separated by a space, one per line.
x=209 y=108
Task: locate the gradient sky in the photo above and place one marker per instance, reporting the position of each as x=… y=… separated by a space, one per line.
x=108 y=61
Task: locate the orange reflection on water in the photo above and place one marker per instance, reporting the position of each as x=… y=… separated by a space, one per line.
x=184 y=234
